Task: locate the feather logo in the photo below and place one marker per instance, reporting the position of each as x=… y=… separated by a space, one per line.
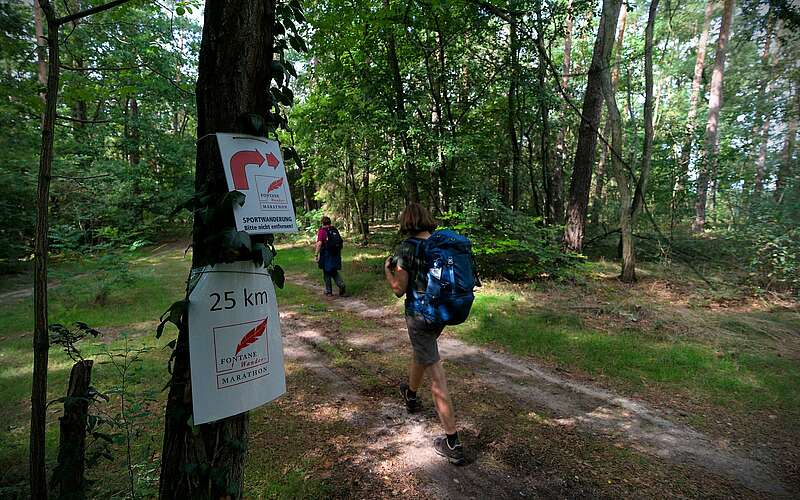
x=251 y=336
x=275 y=185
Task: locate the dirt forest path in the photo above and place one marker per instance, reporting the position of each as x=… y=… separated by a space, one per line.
x=487 y=387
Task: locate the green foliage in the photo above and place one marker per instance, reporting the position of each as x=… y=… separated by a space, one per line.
x=771 y=243
x=67 y=338
x=509 y=244
x=309 y=222
x=126 y=435
x=115 y=178
x=776 y=263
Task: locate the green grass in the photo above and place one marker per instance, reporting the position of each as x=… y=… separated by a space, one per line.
x=121 y=294
x=126 y=292
x=632 y=358
x=362 y=269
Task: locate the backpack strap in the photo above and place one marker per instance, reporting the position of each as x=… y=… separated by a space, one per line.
x=419 y=258
x=417 y=242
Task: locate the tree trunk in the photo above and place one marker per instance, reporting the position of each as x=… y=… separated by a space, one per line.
x=647 y=149
x=761 y=161
x=628 y=274
x=350 y=180
x=553 y=182
x=786 y=170
x=697 y=82
x=411 y=185
x=536 y=205
x=41 y=339
x=581 y=180
x=621 y=176
x=437 y=124
x=68 y=476
x=365 y=204
x=447 y=161
x=134 y=155
x=207 y=461
x=603 y=160
x=561 y=153
x=708 y=163
x=516 y=152
x=763 y=111
x=41 y=44
x=600 y=178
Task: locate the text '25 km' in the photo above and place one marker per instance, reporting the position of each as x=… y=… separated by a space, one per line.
x=227 y=299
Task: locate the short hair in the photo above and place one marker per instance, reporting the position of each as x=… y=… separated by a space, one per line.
x=326 y=221
x=416 y=219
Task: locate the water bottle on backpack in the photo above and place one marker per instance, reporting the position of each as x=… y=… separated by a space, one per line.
x=451 y=276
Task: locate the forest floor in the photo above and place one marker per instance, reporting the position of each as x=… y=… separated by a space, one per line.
x=655 y=389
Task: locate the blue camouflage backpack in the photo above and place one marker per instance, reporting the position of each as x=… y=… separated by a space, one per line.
x=451 y=277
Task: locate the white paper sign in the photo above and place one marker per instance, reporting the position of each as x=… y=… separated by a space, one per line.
x=235 y=344
x=254 y=166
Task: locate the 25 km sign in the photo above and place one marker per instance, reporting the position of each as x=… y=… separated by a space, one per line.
x=235 y=343
x=254 y=166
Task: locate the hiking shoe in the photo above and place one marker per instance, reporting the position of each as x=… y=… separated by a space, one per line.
x=453 y=455
x=412 y=404
x=342 y=293
x=328 y=294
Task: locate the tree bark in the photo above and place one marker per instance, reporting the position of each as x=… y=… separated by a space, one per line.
x=603 y=157
x=552 y=182
x=134 y=155
x=41 y=44
x=439 y=171
x=621 y=176
x=581 y=180
x=411 y=184
x=69 y=475
x=516 y=151
x=694 y=97
x=627 y=219
x=763 y=110
x=600 y=178
x=647 y=148
x=786 y=169
x=447 y=161
x=708 y=163
x=207 y=461
x=365 y=204
x=561 y=154
x=41 y=339
x=535 y=203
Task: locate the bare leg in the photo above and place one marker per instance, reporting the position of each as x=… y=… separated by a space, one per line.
x=441 y=397
x=415 y=374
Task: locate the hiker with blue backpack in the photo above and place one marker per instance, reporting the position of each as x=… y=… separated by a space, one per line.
x=435 y=271
x=328 y=254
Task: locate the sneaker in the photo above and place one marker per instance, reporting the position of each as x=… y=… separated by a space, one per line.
x=412 y=404
x=328 y=294
x=454 y=455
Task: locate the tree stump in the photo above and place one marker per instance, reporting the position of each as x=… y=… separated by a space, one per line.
x=68 y=477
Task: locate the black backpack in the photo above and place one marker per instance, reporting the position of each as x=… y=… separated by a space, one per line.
x=334 y=242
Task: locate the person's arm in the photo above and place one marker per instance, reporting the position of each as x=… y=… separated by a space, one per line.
x=321 y=237
x=397 y=278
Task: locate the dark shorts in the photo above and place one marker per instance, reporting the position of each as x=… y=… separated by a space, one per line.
x=424 y=336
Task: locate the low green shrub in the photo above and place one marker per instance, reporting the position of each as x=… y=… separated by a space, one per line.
x=509 y=244
x=775 y=260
